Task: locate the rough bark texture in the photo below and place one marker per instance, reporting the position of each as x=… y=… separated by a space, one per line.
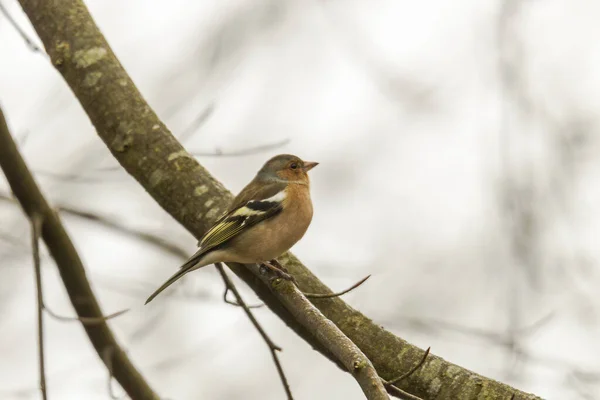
x=148 y=151
x=70 y=267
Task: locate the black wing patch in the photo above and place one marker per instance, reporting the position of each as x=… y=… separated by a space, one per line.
x=240 y=219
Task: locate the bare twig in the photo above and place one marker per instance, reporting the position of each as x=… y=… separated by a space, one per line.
x=36 y=231
x=84 y=320
x=107 y=355
x=272 y=346
x=197 y=122
x=412 y=370
x=155 y=240
x=28 y=41
x=12 y=240
x=233 y=303
x=343 y=292
x=484 y=334
x=68 y=177
x=218 y=152
x=397 y=392
x=69 y=265
x=244 y=152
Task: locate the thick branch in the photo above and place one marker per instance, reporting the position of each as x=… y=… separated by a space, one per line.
x=69 y=265
x=147 y=150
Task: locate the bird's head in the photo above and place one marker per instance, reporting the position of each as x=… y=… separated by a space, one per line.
x=288 y=168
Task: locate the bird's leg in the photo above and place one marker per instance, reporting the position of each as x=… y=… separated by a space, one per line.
x=280 y=273
x=276 y=263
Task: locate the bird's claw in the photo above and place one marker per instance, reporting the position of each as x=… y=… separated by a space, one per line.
x=280 y=272
x=276 y=263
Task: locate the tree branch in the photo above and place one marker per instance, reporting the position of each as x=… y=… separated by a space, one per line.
x=326 y=333
x=149 y=152
x=69 y=265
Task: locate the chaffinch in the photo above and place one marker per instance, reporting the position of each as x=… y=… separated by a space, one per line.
x=264 y=221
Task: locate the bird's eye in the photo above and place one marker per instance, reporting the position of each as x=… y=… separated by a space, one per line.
x=293 y=165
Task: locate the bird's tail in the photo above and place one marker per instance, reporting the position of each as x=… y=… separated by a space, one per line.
x=189 y=266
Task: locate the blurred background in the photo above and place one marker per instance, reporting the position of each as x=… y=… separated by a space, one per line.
x=458 y=144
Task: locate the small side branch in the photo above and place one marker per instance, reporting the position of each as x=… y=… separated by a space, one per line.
x=36 y=232
x=244 y=152
x=84 y=320
x=338 y=294
x=107 y=356
x=272 y=346
x=234 y=303
x=412 y=370
x=154 y=240
x=396 y=391
x=28 y=41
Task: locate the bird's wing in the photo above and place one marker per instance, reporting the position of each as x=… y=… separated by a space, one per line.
x=249 y=209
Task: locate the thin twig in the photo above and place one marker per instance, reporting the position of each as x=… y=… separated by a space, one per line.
x=36 y=232
x=30 y=43
x=412 y=370
x=11 y=240
x=197 y=122
x=491 y=336
x=107 y=355
x=68 y=177
x=149 y=238
x=233 y=303
x=84 y=320
x=343 y=292
x=272 y=346
x=244 y=152
x=216 y=153
x=237 y=295
x=397 y=392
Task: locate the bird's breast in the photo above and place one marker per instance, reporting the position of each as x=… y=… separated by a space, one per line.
x=297 y=213
x=273 y=237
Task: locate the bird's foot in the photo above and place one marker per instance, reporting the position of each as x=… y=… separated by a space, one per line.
x=276 y=263
x=279 y=272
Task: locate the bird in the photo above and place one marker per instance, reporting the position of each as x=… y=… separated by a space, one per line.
x=265 y=220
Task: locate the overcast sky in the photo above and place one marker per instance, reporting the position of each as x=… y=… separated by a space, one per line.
x=458 y=144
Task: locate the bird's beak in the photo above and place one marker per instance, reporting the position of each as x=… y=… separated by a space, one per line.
x=308 y=165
